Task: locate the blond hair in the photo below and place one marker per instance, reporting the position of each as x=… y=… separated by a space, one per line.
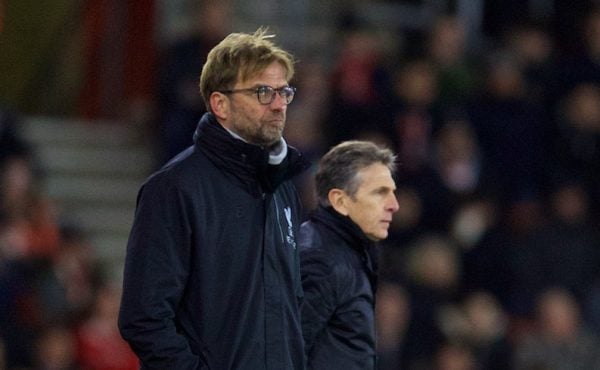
x=239 y=57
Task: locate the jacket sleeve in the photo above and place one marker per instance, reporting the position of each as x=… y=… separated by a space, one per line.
x=320 y=295
x=156 y=270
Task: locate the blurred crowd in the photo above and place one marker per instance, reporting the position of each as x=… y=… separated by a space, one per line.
x=493 y=259
x=58 y=307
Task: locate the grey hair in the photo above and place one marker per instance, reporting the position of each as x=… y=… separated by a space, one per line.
x=339 y=167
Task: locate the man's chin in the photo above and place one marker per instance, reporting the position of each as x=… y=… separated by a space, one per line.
x=383 y=235
x=272 y=140
x=270 y=143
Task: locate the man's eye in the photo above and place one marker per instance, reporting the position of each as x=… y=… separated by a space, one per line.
x=263 y=90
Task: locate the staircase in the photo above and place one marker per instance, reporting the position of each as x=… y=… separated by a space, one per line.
x=92 y=171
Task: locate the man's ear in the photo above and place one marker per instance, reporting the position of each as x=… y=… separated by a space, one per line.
x=219 y=105
x=338 y=199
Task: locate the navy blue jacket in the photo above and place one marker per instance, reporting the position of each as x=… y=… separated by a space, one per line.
x=339 y=273
x=212 y=271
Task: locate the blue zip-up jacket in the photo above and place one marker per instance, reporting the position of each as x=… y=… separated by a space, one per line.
x=212 y=271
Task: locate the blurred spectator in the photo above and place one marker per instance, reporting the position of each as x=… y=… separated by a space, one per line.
x=456 y=68
x=180 y=103
x=458 y=159
x=32 y=249
x=454 y=356
x=460 y=173
x=576 y=149
x=508 y=126
x=534 y=49
x=359 y=87
x=99 y=344
x=392 y=316
x=477 y=227
x=559 y=340
x=20 y=247
x=432 y=272
x=494 y=239
x=471 y=221
x=27 y=210
x=414 y=118
x=487 y=334
x=55 y=349
x=67 y=284
x=479 y=324
x=453 y=171
x=42 y=296
x=514 y=273
x=564 y=251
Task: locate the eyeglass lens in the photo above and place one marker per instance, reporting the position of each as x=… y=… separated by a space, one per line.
x=266 y=94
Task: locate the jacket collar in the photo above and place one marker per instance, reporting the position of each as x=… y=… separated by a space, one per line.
x=248 y=164
x=352 y=235
x=343 y=226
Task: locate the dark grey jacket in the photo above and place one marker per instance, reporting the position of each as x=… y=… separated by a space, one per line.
x=212 y=271
x=338 y=266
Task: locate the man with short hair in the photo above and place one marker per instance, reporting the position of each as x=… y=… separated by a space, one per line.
x=212 y=270
x=355 y=191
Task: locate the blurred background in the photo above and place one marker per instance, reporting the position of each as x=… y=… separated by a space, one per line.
x=493 y=261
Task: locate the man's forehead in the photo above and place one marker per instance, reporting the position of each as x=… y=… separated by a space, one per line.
x=250 y=73
x=376 y=178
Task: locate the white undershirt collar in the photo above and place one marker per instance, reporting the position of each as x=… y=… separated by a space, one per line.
x=277 y=153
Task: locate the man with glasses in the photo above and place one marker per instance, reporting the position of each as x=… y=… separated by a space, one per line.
x=212 y=269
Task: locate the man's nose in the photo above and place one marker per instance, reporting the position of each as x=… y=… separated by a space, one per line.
x=393 y=204
x=279 y=102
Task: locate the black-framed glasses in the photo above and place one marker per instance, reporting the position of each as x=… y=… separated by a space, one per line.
x=266 y=94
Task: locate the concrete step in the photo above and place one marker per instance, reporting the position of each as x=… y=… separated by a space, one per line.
x=98 y=220
x=92 y=189
x=104 y=134
x=111 y=250
x=92 y=171
x=58 y=158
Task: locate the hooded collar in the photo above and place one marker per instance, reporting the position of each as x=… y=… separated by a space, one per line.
x=249 y=164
